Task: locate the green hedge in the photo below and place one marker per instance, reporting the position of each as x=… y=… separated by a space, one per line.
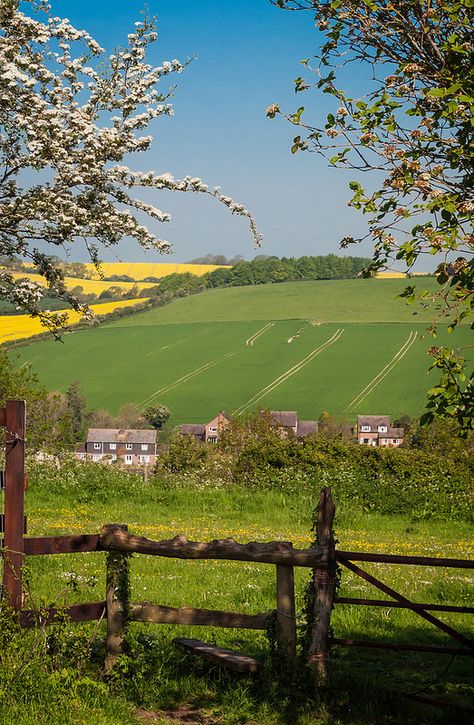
x=386 y=481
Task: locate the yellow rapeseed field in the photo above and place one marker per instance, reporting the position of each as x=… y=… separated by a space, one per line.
x=89 y=286
x=141 y=270
x=18 y=327
x=398 y=275
x=390 y=275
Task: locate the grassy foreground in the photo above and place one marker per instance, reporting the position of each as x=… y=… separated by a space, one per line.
x=155 y=683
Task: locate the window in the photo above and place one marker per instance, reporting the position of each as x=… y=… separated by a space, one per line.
x=212 y=439
x=384 y=441
x=212 y=429
x=128 y=459
x=97 y=446
x=395 y=441
x=382 y=429
x=96 y=456
x=112 y=446
x=82 y=456
x=144 y=459
x=144 y=446
x=128 y=447
x=365 y=440
x=365 y=428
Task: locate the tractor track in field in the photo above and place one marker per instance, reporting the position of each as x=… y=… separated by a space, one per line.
x=289 y=373
x=257 y=334
x=383 y=373
x=183 y=379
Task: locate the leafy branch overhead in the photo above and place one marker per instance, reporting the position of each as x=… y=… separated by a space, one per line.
x=414 y=130
x=69 y=115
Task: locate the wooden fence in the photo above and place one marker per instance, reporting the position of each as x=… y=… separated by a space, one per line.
x=114 y=539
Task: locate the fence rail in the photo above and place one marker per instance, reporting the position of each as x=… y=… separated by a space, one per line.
x=343 y=556
x=41 y=545
x=273 y=552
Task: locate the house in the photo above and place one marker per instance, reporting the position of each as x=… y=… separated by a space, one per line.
x=377 y=430
x=129 y=446
x=288 y=424
x=285 y=420
x=207 y=432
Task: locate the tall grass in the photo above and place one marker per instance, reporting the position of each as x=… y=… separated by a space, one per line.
x=62 y=682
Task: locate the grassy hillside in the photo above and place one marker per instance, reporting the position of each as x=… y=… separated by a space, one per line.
x=341 y=358
x=348 y=300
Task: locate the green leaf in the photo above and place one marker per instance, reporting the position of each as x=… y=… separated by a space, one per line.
x=438 y=92
x=426 y=418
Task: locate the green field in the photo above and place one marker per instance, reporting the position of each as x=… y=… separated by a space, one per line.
x=346 y=347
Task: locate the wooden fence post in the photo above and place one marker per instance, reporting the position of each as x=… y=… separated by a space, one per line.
x=324 y=583
x=117 y=598
x=14 y=503
x=286 y=618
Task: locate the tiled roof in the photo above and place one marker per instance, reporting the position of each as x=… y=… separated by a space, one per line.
x=285 y=418
x=373 y=420
x=395 y=433
x=121 y=435
x=193 y=429
x=306 y=428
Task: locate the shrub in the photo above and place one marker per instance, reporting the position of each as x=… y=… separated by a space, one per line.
x=184 y=453
x=82 y=480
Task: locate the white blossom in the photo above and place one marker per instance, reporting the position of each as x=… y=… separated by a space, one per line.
x=67 y=121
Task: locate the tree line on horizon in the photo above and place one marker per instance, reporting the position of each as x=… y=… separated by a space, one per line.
x=262 y=270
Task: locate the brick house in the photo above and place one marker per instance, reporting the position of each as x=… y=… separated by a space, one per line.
x=128 y=446
x=288 y=424
x=377 y=430
x=207 y=432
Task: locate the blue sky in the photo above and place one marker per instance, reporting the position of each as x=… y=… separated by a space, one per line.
x=248 y=54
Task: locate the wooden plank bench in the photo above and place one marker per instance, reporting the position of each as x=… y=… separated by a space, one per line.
x=219 y=656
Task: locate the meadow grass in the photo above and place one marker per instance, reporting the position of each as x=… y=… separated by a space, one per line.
x=366 y=687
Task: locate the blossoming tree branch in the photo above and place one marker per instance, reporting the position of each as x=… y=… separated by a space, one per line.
x=414 y=130
x=69 y=115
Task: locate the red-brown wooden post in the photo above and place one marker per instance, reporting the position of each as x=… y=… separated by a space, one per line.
x=14 y=502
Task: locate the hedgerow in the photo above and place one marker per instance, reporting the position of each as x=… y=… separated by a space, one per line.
x=386 y=481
